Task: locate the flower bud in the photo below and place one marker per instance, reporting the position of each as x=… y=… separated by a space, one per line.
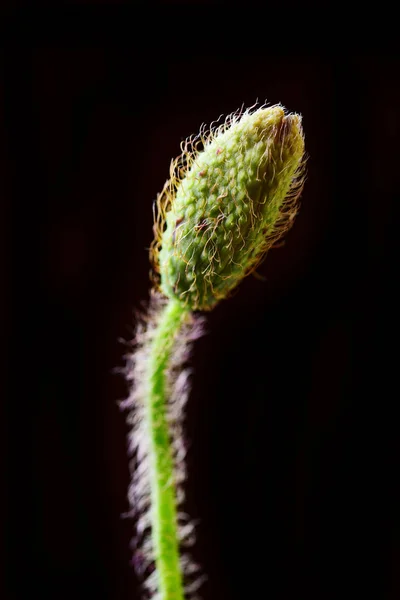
x=226 y=204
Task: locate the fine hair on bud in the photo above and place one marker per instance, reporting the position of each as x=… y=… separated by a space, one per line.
x=232 y=193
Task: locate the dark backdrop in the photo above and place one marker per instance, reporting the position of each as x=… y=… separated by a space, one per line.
x=294 y=443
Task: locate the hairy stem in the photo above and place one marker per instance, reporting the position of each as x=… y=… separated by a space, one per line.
x=163 y=491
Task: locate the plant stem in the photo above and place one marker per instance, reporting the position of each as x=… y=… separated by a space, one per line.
x=163 y=490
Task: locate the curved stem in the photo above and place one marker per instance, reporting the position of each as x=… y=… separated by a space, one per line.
x=163 y=491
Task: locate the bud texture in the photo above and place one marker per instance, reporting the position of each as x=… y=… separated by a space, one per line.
x=226 y=204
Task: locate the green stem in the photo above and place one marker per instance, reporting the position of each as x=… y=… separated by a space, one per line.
x=163 y=491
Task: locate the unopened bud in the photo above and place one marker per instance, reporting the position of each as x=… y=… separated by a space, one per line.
x=226 y=204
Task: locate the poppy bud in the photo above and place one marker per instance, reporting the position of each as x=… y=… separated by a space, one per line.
x=226 y=204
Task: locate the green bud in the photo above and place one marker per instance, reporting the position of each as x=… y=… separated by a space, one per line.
x=227 y=204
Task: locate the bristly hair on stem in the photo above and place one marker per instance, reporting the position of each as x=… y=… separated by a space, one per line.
x=159 y=377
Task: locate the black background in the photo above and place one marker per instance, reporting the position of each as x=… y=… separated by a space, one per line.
x=294 y=441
